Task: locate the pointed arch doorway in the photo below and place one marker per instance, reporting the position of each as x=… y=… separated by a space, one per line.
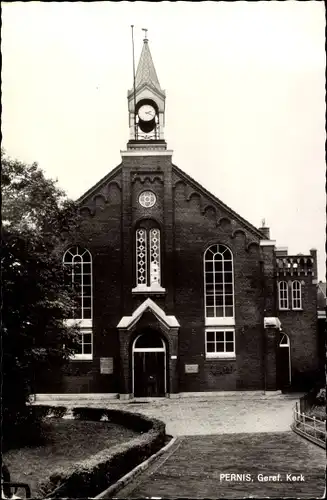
x=149 y=366
x=284 y=362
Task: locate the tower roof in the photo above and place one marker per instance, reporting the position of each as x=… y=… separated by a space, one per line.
x=146 y=72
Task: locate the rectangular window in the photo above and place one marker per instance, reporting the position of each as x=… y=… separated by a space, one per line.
x=85 y=350
x=283 y=295
x=220 y=343
x=296 y=295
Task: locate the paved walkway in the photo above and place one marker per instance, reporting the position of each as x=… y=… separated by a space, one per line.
x=202 y=467
x=212 y=415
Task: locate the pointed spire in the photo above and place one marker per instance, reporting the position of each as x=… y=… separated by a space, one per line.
x=146 y=72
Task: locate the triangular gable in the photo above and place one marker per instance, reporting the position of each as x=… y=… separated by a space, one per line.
x=189 y=180
x=148 y=305
x=99 y=184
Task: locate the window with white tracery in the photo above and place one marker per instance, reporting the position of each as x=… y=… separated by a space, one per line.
x=78 y=263
x=218 y=282
x=148 y=265
x=296 y=295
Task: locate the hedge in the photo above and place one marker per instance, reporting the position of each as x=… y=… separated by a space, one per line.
x=89 y=477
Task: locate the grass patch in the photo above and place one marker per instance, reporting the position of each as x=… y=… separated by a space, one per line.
x=318 y=412
x=68 y=441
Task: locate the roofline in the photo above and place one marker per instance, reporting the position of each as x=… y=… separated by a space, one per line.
x=251 y=228
x=93 y=188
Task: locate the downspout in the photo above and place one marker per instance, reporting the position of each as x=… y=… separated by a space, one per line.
x=263 y=294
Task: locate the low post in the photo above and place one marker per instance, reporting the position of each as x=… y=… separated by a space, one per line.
x=314 y=426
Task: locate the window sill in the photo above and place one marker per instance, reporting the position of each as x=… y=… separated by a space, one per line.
x=297 y=308
x=155 y=289
x=223 y=355
x=81 y=357
x=82 y=323
x=224 y=321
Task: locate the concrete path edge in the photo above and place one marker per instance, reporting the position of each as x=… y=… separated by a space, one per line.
x=125 y=480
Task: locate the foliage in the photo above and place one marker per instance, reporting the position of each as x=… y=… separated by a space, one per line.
x=96 y=473
x=35 y=301
x=86 y=413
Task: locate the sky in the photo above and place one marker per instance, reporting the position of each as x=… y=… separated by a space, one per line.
x=245 y=99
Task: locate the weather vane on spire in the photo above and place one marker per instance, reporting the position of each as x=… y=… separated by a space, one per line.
x=145 y=34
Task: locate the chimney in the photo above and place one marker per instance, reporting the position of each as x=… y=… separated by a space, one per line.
x=313 y=253
x=265 y=230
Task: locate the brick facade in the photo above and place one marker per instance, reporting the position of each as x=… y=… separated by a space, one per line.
x=190 y=220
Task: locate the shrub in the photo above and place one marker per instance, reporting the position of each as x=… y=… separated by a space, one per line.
x=58 y=411
x=84 y=413
x=27 y=428
x=93 y=475
x=134 y=421
x=41 y=411
x=321 y=397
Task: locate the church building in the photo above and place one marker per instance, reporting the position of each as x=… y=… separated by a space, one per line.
x=178 y=293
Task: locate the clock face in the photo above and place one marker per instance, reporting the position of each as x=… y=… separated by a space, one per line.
x=146 y=113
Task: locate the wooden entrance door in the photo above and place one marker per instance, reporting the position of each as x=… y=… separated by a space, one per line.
x=284 y=363
x=149 y=365
x=149 y=374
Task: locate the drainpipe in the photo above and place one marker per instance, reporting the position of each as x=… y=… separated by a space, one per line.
x=263 y=291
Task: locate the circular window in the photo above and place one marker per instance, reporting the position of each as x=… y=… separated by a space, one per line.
x=147 y=199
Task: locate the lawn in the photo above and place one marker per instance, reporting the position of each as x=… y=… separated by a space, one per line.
x=69 y=441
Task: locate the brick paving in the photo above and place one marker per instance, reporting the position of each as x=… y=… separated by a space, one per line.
x=196 y=467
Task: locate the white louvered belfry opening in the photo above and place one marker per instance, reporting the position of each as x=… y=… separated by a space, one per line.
x=148 y=267
x=154 y=256
x=141 y=257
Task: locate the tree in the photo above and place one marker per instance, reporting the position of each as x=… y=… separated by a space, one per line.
x=35 y=299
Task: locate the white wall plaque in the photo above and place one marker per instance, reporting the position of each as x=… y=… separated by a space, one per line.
x=191 y=368
x=106 y=366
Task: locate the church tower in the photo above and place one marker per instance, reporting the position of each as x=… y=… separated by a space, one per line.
x=146 y=106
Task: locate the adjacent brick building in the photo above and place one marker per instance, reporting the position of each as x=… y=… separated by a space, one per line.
x=178 y=292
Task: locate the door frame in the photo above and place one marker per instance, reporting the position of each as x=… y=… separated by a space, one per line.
x=288 y=345
x=150 y=349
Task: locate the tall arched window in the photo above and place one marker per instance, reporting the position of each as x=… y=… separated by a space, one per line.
x=218 y=281
x=148 y=255
x=283 y=295
x=219 y=302
x=78 y=262
x=296 y=295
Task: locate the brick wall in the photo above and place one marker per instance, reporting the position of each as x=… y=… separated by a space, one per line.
x=190 y=221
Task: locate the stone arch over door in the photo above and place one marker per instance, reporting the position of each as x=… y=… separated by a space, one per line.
x=148 y=317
